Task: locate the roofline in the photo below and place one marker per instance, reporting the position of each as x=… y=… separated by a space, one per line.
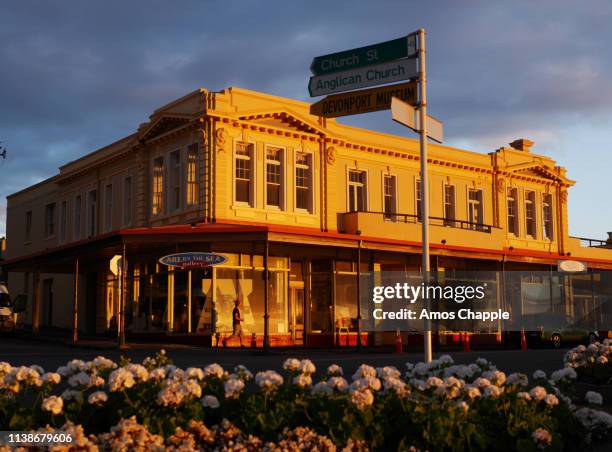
x=33 y=187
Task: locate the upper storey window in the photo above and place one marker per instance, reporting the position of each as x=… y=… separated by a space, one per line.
x=530 y=214
x=475 y=214
x=175 y=181
x=244 y=173
x=512 y=211
x=390 y=201
x=303 y=181
x=192 y=175
x=449 y=205
x=547 y=216
x=158 y=186
x=274 y=177
x=357 y=186
x=418 y=191
x=49 y=220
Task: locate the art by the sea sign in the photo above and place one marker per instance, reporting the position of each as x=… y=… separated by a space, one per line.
x=185 y=261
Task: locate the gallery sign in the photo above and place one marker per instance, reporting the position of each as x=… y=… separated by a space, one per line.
x=570 y=266
x=185 y=261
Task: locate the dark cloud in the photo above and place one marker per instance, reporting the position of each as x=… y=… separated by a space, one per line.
x=77 y=75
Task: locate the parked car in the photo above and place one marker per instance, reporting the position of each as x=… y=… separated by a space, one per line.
x=560 y=329
x=8 y=309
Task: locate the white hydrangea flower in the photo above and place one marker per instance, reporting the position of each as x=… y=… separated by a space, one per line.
x=5 y=368
x=538 y=392
x=434 y=382
x=322 y=388
x=268 y=380
x=396 y=385
x=482 y=382
x=80 y=379
x=388 y=372
x=157 y=374
x=364 y=371
x=243 y=373
x=195 y=373
x=52 y=377
x=472 y=391
x=72 y=394
x=446 y=359
x=213 y=370
x=291 y=365
x=542 y=438
x=565 y=374
x=335 y=370
x=551 y=400
x=367 y=382
x=594 y=398
x=593 y=419
x=97 y=397
x=233 y=387
x=338 y=384
x=102 y=363
x=307 y=367
x=210 y=401
x=492 y=391
x=193 y=388
x=302 y=380
x=120 y=379
x=362 y=398
x=463 y=406
x=53 y=404
x=523 y=395
x=539 y=375
x=518 y=379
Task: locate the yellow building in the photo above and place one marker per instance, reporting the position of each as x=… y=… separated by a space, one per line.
x=258 y=179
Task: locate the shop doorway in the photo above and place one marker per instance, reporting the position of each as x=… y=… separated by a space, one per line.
x=296 y=312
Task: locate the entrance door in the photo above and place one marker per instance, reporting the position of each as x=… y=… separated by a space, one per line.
x=296 y=312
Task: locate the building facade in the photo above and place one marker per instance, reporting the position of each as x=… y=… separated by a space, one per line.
x=300 y=205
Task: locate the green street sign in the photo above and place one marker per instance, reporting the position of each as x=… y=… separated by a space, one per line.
x=364 y=56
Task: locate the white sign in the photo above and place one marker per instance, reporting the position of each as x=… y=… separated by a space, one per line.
x=408 y=116
x=379 y=74
x=571 y=266
x=116 y=264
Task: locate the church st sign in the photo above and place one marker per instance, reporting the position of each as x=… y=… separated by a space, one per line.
x=186 y=261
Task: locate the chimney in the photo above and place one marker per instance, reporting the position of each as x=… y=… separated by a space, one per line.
x=522 y=144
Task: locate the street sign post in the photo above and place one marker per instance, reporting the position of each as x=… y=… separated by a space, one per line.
x=364 y=101
x=407 y=115
x=395 y=49
x=380 y=74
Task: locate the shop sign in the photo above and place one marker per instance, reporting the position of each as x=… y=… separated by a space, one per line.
x=192 y=260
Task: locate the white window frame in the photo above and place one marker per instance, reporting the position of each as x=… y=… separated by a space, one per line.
x=175 y=172
x=449 y=221
x=108 y=206
x=50 y=234
x=552 y=217
x=128 y=208
x=283 y=176
x=417 y=199
x=78 y=217
x=92 y=226
x=192 y=202
x=474 y=224
x=162 y=196
x=535 y=214
x=253 y=171
x=365 y=191
x=390 y=216
x=517 y=220
x=311 y=197
x=63 y=221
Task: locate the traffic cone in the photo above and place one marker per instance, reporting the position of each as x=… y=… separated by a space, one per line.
x=466 y=342
x=523 y=340
x=399 y=347
x=498 y=337
x=253 y=341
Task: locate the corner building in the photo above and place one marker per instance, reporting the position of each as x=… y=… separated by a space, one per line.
x=258 y=179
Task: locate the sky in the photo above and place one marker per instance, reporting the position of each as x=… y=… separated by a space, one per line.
x=77 y=75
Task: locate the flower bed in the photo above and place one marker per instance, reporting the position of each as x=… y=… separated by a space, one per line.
x=592 y=363
x=436 y=406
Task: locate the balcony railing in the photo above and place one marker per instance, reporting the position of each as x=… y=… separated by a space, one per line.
x=593 y=243
x=436 y=221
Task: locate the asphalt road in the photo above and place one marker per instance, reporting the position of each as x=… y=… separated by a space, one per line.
x=52 y=355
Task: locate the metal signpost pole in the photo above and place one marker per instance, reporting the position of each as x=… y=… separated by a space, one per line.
x=424 y=184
